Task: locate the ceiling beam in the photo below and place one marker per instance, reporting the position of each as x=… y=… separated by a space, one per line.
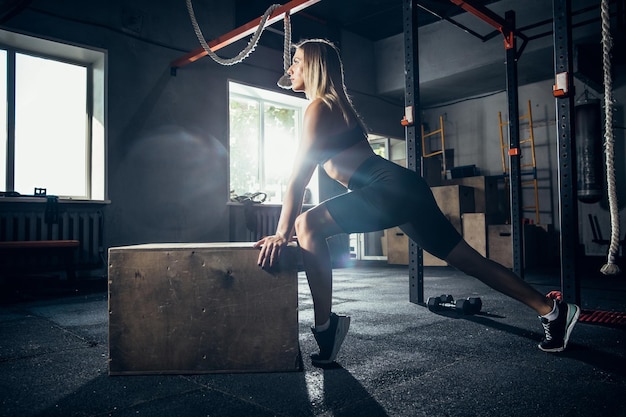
x=249 y=28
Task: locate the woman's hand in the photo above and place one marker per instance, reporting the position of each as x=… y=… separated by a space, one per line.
x=271 y=247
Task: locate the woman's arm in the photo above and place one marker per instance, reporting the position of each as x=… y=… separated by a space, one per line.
x=305 y=162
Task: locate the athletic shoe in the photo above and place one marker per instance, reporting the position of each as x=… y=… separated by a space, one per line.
x=330 y=340
x=559 y=330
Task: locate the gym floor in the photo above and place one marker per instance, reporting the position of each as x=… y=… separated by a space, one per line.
x=399 y=358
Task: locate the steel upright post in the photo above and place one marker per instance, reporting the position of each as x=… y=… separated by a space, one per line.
x=412 y=122
x=515 y=182
x=564 y=95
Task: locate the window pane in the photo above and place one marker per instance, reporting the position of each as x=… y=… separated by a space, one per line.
x=264 y=143
x=379 y=148
x=280 y=148
x=3 y=120
x=244 y=145
x=50 y=127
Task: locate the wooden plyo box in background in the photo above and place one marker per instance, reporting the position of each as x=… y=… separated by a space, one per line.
x=500 y=243
x=454 y=201
x=397 y=246
x=475 y=231
x=490 y=196
x=201 y=308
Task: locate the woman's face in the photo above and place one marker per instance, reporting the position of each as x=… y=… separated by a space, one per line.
x=295 y=71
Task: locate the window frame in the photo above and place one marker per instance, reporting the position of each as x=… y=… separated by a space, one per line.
x=264 y=97
x=95 y=62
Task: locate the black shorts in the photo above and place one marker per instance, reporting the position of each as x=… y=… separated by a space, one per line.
x=384 y=195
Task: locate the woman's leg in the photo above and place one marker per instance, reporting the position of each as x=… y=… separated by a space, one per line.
x=313 y=227
x=468 y=260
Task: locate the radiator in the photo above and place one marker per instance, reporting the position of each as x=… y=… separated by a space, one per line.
x=84 y=226
x=261 y=221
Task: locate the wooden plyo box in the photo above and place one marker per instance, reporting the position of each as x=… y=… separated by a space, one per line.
x=475 y=231
x=500 y=243
x=454 y=201
x=397 y=246
x=490 y=196
x=201 y=308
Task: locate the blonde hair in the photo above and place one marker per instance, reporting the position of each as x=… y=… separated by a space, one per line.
x=323 y=77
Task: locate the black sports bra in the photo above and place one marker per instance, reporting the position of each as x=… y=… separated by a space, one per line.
x=340 y=142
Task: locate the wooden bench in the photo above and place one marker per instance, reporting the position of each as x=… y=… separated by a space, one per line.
x=64 y=249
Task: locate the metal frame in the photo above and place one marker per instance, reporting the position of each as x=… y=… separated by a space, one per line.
x=412 y=119
x=506 y=26
x=515 y=154
x=412 y=123
x=563 y=91
x=564 y=97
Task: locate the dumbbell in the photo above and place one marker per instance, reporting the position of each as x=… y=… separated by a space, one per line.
x=440 y=303
x=470 y=305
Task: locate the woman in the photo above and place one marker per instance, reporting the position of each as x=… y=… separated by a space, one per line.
x=383 y=195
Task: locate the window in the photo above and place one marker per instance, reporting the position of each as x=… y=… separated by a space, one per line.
x=264 y=134
x=52 y=107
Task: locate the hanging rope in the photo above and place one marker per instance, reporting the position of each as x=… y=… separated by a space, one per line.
x=610 y=268
x=254 y=40
x=285 y=81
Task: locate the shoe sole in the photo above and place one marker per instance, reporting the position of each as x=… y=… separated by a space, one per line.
x=343 y=324
x=571 y=322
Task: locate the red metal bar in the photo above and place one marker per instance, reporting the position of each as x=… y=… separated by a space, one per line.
x=488 y=17
x=482 y=13
x=249 y=28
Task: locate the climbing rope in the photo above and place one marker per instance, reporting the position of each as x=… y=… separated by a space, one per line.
x=285 y=81
x=254 y=40
x=610 y=268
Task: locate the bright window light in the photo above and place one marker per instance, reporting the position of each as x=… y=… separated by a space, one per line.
x=265 y=129
x=50 y=126
x=53 y=109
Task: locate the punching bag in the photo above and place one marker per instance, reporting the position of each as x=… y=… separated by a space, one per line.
x=588 y=136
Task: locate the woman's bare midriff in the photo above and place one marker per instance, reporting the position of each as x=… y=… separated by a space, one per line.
x=341 y=166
